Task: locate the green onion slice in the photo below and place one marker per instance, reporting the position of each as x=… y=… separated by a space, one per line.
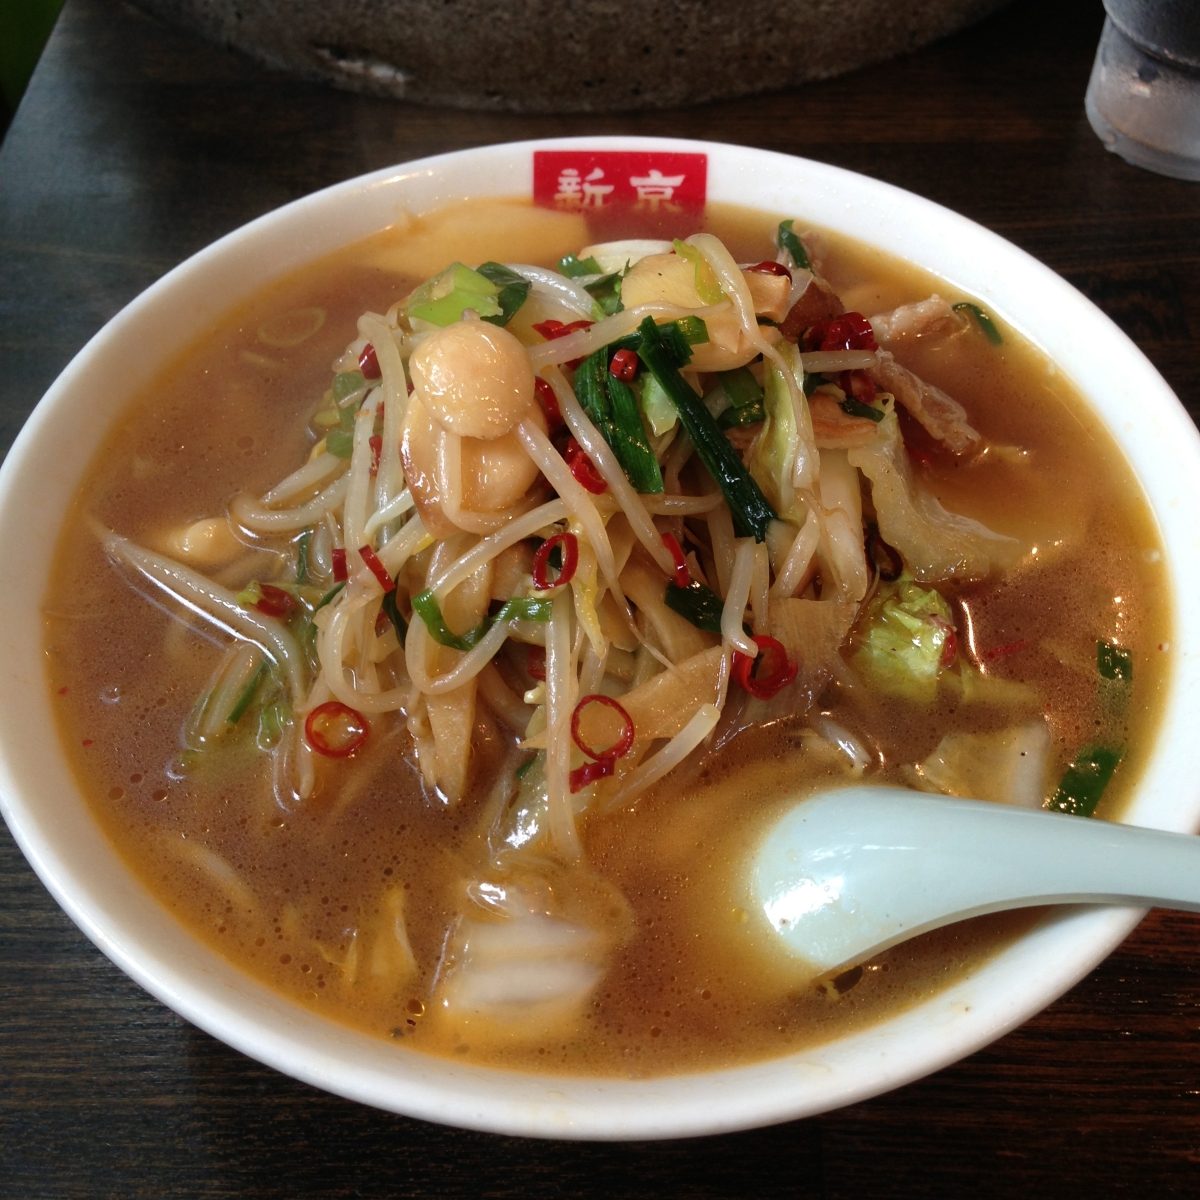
x=388 y=607
x=1114 y=662
x=244 y=701
x=696 y=603
x=1084 y=781
x=613 y=408
x=751 y=510
x=519 y=608
x=786 y=240
x=745 y=398
x=856 y=408
x=982 y=319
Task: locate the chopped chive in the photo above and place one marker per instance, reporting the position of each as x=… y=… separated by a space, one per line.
x=786 y=239
x=696 y=603
x=692 y=330
x=519 y=608
x=982 y=319
x=1084 y=781
x=308 y=631
x=747 y=414
x=745 y=399
x=741 y=387
x=387 y=606
x=1114 y=662
x=856 y=408
x=751 y=510
x=613 y=409
x=248 y=692
x=329 y=595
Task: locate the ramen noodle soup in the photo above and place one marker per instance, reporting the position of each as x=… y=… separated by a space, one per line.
x=438 y=633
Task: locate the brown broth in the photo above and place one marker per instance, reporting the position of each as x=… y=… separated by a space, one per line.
x=691 y=986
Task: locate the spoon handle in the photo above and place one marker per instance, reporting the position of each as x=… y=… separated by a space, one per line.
x=848 y=873
x=1021 y=857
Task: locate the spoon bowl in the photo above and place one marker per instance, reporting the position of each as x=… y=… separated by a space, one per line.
x=849 y=872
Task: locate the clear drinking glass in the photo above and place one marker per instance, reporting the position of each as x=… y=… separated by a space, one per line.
x=1143 y=99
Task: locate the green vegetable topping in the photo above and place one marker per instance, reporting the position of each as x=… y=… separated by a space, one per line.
x=707 y=287
x=745 y=398
x=613 y=409
x=346 y=383
x=244 y=701
x=751 y=511
x=493 y=293
x=1114 y=662
x=786 y=240
x=605 y=289
x=856 y=408
x=1084 y=781
x=520 y=608
x=696 y=603
x=576 y=268
x=606 y=292
x=387 y=606
x=340 y=441
x=982 y=319
x=514 y=289
x=907 y=640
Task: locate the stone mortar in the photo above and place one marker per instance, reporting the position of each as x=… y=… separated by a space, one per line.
x=589 y=56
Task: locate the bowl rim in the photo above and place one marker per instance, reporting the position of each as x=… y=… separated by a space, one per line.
x=133 y=930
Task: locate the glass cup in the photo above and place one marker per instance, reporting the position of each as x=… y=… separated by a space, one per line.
x=1143 y=99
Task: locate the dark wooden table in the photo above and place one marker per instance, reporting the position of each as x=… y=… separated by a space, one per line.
x=137 y=145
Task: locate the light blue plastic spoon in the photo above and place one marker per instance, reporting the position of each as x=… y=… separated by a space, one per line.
x=849 y=872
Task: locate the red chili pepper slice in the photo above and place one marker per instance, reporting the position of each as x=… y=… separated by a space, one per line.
x=683 y=577
x=551 y=329
x=624 y=365
x=547 y=398
x=376 y=568
x=568 y=543
x=996 y=653
x=769 y=267
x=850 y=331
x=340 y=571
x=589 y=772
x=368 y=363
x=624 y=741
x=335 y=729
x=584 y=469
x=376 y=444
x=775 y=669
x=274 y=601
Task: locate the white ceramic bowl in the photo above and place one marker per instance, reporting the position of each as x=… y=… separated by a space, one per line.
x=50 y=820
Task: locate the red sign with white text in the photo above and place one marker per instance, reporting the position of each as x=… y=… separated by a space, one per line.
x=650 y=180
